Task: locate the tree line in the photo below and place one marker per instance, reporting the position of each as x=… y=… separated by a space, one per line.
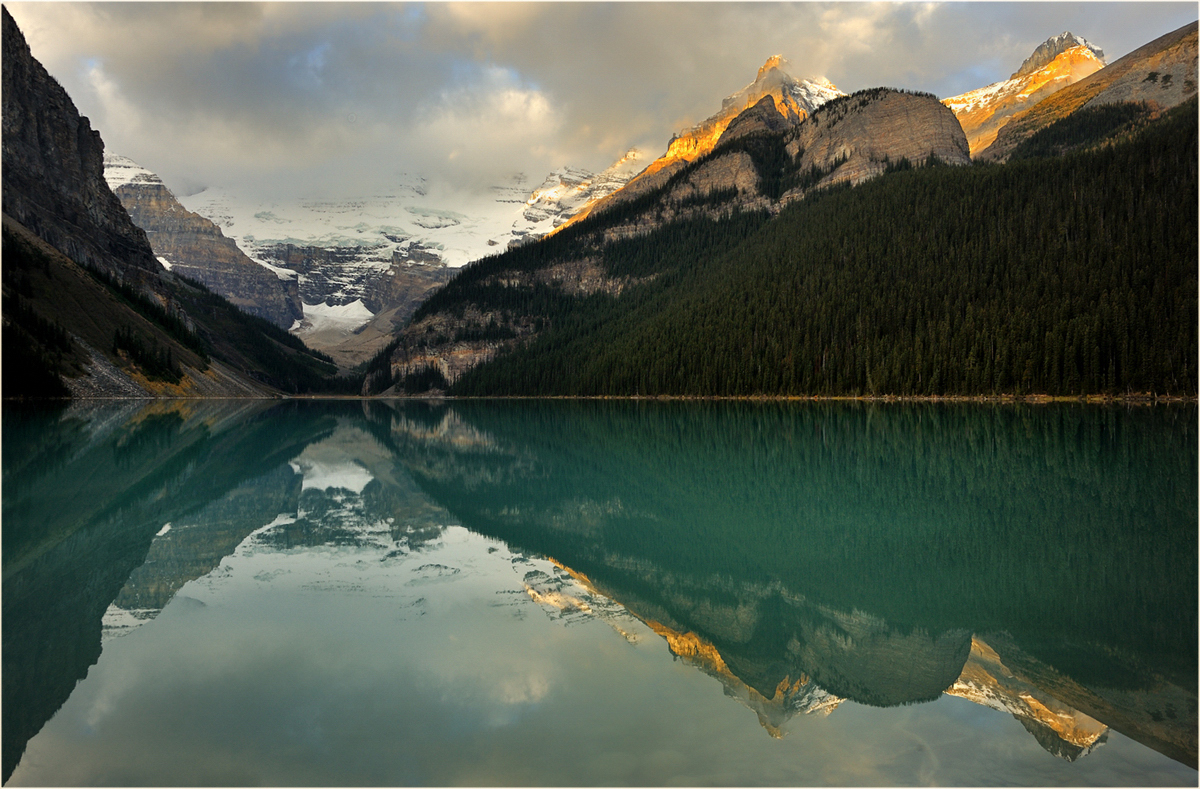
x=1062 y=275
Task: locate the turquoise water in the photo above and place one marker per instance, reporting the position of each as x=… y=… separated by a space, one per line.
x=599 y=593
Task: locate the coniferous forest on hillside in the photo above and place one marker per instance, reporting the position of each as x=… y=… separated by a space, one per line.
x=1056 y=273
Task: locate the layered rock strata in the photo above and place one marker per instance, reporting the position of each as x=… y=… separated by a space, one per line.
x=188 y=244
x=53 y=172
x=872 y=128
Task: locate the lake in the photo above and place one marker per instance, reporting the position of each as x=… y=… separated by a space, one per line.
x=599 y=593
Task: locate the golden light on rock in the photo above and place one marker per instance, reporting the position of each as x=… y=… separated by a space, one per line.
x=986 y=680
x=983 y=112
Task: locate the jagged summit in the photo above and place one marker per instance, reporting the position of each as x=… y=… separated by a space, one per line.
x=1060 y=61
x=793 y=100
x=1051 y=48
x=775 y=61
x=1161 y=74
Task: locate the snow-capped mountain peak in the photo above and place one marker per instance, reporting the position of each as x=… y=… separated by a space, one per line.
x=1051 y=48
x=121 y=170
x=1058 y=62
x=570 y=190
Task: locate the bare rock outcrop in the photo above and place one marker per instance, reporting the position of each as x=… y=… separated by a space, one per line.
x=857 y=136
x=194 y=247
x=734 y=170
x=1161 y=73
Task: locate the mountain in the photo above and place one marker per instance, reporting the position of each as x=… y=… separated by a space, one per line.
x=87 y=309
x=568 y=191
x=52 y=160
x=191 y=245
x=793 y=101
x=1058 y=62
x=761 y=164
x=363 y=265
x=925 y=280
x=1162 y=74
x=372 y=259
x=1050 y=50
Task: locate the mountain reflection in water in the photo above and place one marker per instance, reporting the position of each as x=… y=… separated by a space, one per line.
x=1040 y=561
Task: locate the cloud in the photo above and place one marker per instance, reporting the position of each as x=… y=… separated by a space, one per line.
x=332 y=96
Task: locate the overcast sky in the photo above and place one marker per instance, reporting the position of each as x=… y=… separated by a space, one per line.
x=340 y=98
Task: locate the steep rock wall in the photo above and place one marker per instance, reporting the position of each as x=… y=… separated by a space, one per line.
x=196 y=248
x=53 y=172
x=871 y=128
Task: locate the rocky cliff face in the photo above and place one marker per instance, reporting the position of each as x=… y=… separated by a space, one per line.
x=1161 y=73
x=1050 y=49
x=189 y=244
x=793 y=101
x=1061 y=61
x=73 y=258
x=53 y=172
x=869 y=129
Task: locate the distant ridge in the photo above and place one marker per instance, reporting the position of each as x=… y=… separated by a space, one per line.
x=1162 y=73
x=1058 y=62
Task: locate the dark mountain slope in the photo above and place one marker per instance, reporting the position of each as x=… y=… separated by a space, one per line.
x=53 y=172
x=1058 y=276
x=755 y=169
x=87 y=308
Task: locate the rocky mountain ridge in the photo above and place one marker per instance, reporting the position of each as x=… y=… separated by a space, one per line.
x=189 y=244
x=1161 y=73
x=793 y=100
x=53 y=174
x=88 y=310
x=1058 y=62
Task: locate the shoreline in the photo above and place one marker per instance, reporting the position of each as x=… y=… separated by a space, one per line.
x=1034 y=399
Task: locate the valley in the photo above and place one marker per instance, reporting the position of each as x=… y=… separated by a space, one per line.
x=618 y=283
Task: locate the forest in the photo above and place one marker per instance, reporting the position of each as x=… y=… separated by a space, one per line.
x=1070 y=270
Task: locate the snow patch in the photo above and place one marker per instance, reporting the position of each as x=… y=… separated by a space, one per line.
x=285 y=274
x=339 y=476
x=344 y=317
x=165 y=263
x=121 y=170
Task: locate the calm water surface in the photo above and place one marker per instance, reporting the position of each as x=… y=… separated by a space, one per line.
x=560 y=593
